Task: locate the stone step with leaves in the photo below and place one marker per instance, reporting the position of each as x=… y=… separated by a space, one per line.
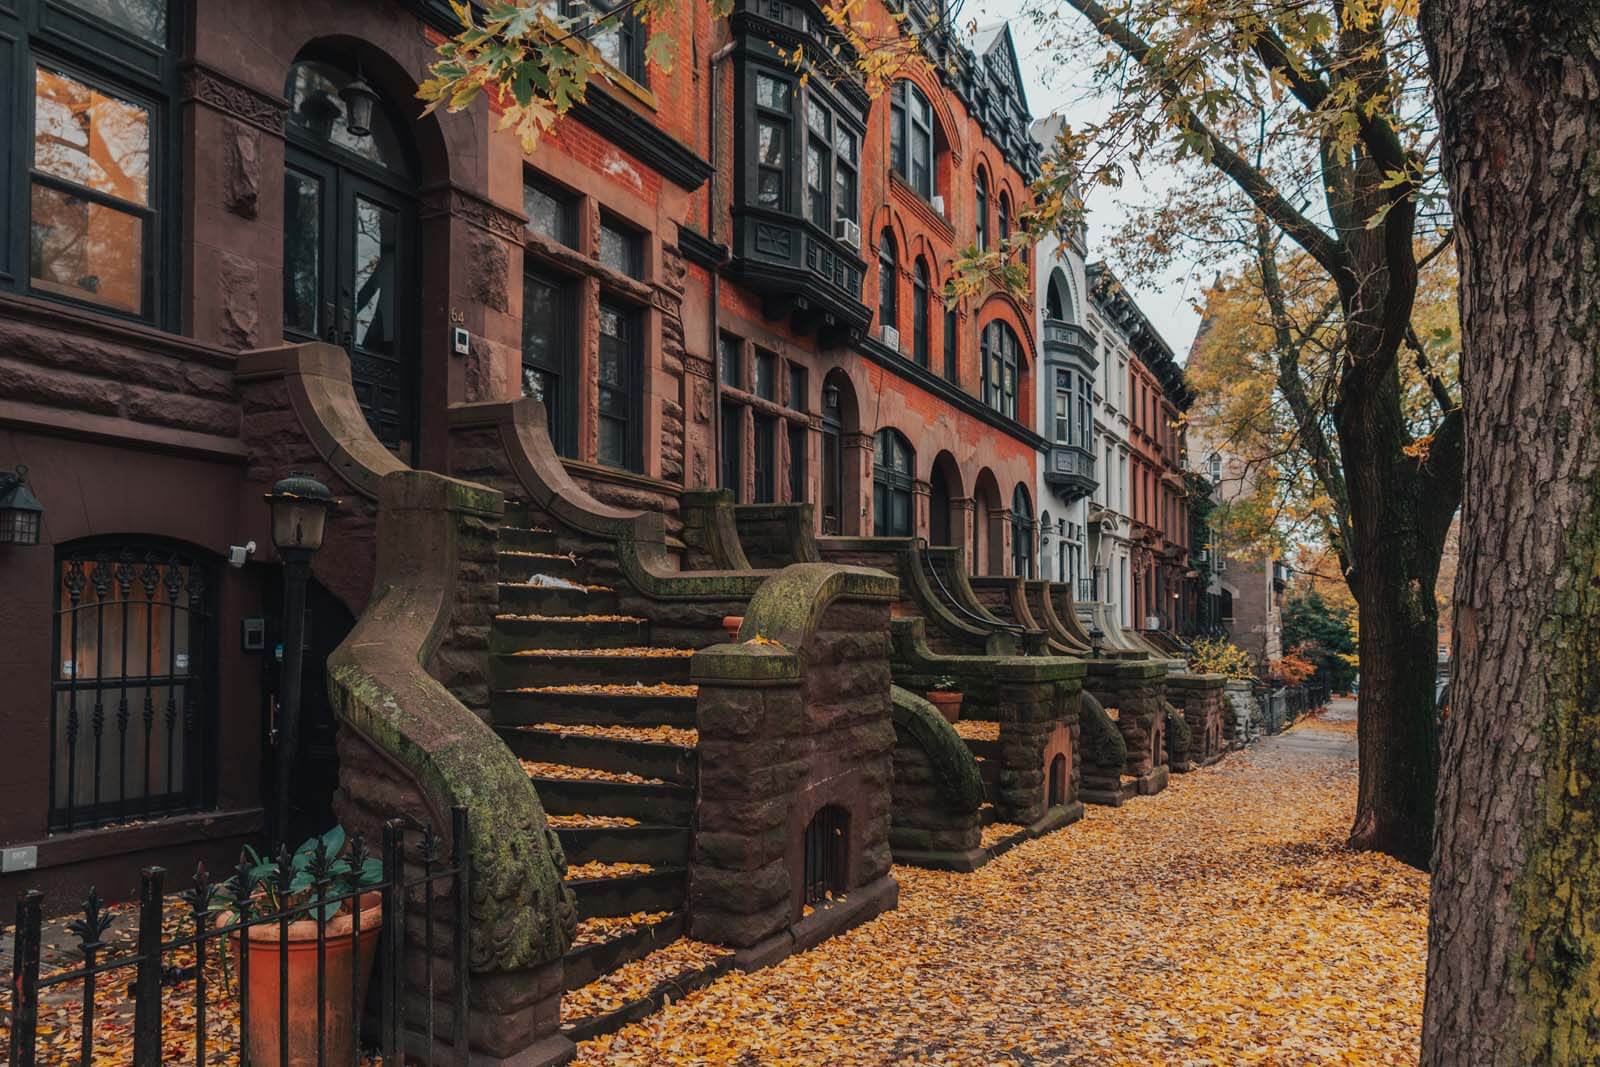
x=515 y=632
x=602 y=666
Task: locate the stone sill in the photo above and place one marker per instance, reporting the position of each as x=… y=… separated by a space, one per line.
x=78 y=846
x=74 y=320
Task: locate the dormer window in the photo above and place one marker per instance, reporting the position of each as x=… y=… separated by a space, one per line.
x=911 y=141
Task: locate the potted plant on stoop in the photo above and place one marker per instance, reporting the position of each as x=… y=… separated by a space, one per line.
x=321 y=869
x=945 y=695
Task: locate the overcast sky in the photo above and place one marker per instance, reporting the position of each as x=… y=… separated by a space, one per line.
x=1067 y=90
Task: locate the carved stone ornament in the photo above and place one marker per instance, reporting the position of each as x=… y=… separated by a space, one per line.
x=221 y=93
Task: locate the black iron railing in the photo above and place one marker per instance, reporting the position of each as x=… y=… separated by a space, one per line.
x=827 y=854
x=205 y=943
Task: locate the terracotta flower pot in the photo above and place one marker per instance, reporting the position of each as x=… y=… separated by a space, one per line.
x=948 y=703
x=263 y=1037
x=730 y=626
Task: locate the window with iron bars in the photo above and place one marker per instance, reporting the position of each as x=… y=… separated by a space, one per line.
x=827 y=854
x=131 y=711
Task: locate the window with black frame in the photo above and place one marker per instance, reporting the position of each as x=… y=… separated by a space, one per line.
x=616 y=32
x=132 y=713
x=92 y=141
x=893 y=464
x=952 y=366
x=773 y=106
x=620 y=400
x=549 y=353
x=912 y=144
x=919 y=312
x=888 y=282
x=981 y=210
x=1001 y=356
x=1022 y=530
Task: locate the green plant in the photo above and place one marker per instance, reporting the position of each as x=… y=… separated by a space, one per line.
x=945 y=684
x=322 y=866
x=1220 y=656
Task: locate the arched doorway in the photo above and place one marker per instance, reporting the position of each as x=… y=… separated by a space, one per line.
x=893 y=481
x=838 y=480
x=989 y=553
x=1021 y=532
x=944 y=489
x=350 y=264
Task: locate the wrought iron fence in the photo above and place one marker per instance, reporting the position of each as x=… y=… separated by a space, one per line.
x=209 y=940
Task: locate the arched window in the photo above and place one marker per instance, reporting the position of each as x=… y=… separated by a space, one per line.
x=1004 y=218
x=911 y=142
x=888 y=277
x=952 y=339
x=1000 y=359
x=892 y=468
x=1021 y=532
x=982 y=211
x=919 y=313
x=1058 y=299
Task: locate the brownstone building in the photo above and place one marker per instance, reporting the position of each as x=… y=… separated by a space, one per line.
x=722 y=274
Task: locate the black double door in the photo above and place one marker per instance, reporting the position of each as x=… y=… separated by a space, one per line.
x=351 y=278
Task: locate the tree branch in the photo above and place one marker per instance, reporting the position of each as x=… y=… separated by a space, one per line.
x=1322 y=246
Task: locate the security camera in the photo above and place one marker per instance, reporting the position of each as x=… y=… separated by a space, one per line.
x=238 y=554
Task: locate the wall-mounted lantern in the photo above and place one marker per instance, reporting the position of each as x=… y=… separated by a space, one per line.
x=1097 y=641
x=20 y=510
x=359 y=101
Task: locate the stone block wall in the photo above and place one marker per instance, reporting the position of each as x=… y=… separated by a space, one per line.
x=1201 y=698
x=788 y=726
x=938 y=790
x=1136 y=688
x=461 y=661
x=1239 y=725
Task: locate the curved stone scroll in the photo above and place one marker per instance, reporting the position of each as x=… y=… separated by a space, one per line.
x=523 y=915
x=955 y=771
x=537 y=474
x=1103 y=744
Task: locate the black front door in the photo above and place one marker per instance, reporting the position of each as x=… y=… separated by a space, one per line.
x=349 y=277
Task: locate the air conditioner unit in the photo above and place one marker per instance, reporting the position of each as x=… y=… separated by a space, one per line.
x=1222 y=564
x=848 y=231
x=938 y=204
x=889 y=336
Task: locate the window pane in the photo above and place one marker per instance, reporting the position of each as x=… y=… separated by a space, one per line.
x=90 y=138
x=844 y=193
x=817 y=184
x=797 y=387
x=732 y=444
x=728 y=358
x=86 y=250
x=817 y=117
x=146 y=19
x=766 y=375
x=621 y=251
x=844 y=143
x=766 y=455
x=897 y=136
x=302 y=252
x=547 y=214
x=772 y=93
x=613 y=442
x=377 y=246
x=797 y=462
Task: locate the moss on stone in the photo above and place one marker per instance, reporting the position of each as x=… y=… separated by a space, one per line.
x=1103 y=745
x=1179 y=736
x=955 y=771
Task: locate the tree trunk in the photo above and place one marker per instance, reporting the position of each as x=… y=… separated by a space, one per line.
x=1399 y=534
x=1514 y=943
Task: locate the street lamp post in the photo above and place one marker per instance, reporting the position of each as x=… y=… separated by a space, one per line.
x=300 y=506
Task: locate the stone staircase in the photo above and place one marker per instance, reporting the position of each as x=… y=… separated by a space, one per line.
x=603 y=720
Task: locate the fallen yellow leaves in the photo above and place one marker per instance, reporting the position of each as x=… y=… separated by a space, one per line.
x=660 y=689
x=977 y=730
x=600 y=869
x=661 y=735
x=605 y=928
x=590 y=822
x=997 y=832
x=570 y=618
x=638 y=979
x=636 y=653
x=567 y=773
x=1218 y=923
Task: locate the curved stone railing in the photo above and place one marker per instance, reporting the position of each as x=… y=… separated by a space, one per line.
x=300 y=414
x=938 y=790
x=710 y=535
x=775 y=535
x=793 y=718
x=1029 y=696
x=407 y=743
x=1103 y=744
x=1059 y=597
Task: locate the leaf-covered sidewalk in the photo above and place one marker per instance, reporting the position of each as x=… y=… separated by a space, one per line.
x=1217 y=923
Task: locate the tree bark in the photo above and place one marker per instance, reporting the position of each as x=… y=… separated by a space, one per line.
x=1514 y=932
